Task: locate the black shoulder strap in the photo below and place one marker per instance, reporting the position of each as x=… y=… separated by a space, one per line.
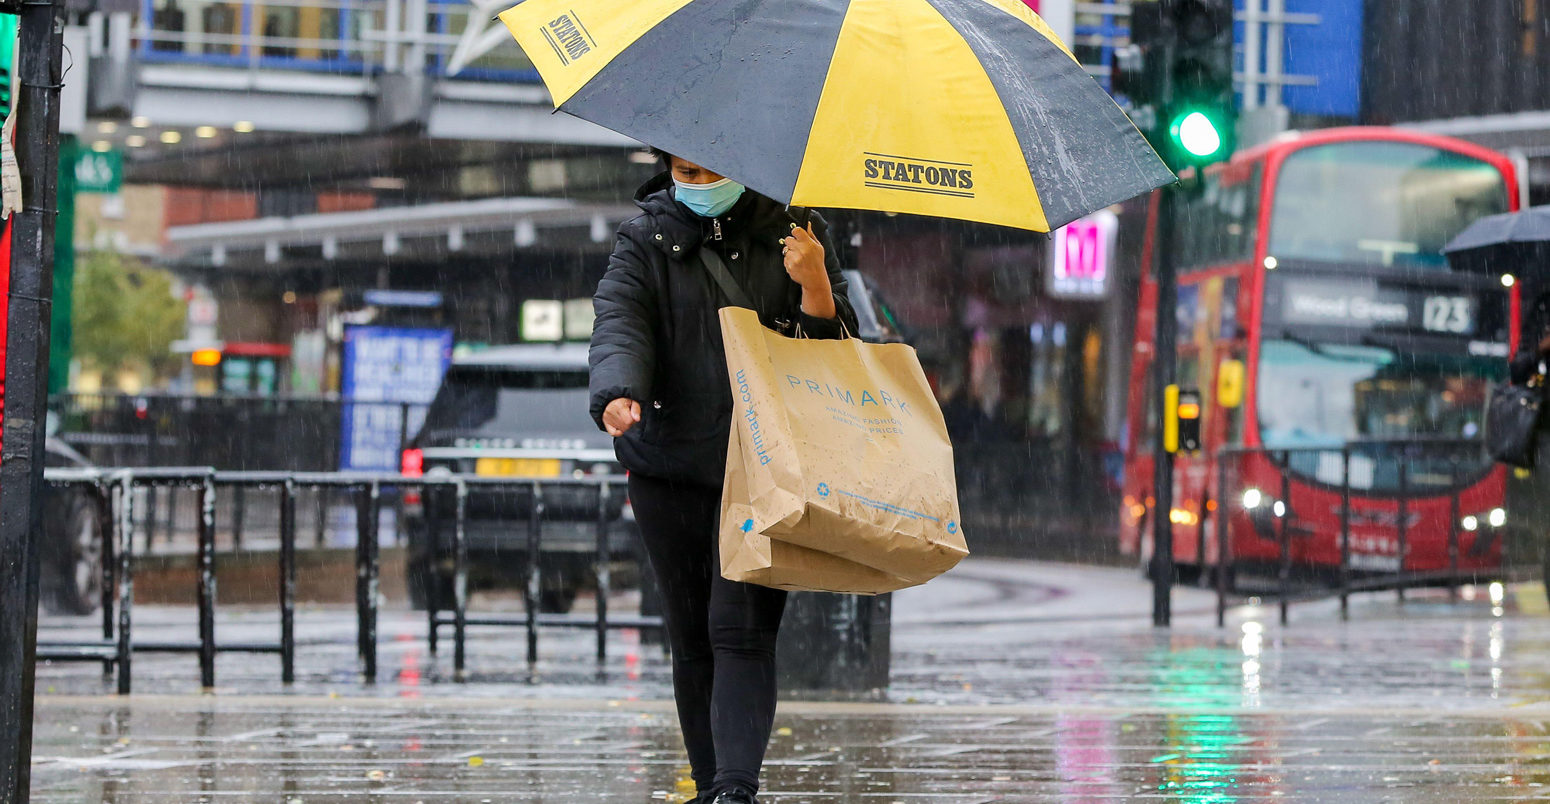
x=718 y=271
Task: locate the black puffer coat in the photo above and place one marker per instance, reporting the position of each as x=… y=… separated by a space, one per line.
x=657 y=339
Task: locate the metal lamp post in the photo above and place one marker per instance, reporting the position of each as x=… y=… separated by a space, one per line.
x=26 y=388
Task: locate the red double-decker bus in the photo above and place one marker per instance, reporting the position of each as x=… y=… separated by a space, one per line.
x=1317 y=313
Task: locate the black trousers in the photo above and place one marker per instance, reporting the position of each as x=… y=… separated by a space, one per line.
x=722 y=634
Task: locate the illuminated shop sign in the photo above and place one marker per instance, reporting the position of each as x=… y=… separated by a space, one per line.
x=1082 y=257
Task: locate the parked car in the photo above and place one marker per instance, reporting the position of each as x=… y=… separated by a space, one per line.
x=70 y=578
x=517 y=411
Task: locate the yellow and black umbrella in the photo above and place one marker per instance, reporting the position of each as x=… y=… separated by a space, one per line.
x=967 y=109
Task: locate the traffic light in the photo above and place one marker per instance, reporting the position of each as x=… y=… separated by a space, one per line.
x=1178 y=76
x=1181 y=419
x=1189 y=421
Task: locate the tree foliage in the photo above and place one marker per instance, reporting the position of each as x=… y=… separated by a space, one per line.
x=126 y=316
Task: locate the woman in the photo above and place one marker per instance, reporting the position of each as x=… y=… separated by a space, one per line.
x=1534 y=349
x=1529 y=366
x=659 y=387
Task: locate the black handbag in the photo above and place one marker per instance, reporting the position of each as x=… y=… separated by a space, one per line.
x=1512 y=422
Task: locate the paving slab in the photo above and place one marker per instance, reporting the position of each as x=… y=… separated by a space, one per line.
x=1012 y=681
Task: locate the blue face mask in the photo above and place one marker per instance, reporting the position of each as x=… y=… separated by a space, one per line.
x=709 y=200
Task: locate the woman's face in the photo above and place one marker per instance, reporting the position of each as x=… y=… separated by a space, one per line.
x=690 y=173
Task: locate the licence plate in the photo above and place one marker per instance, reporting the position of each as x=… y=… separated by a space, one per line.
x=1379 y=563
x=517 y=467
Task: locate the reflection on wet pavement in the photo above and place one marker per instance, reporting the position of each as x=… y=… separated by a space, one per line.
x=998 y=695
x=309 y=749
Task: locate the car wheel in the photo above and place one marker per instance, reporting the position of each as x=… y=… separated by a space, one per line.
x=557 y=593
x=73 y=558
x=425 y=584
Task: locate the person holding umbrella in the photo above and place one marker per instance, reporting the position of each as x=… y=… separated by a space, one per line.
x=659 y=386
x=1534 y=350
x=972 y=111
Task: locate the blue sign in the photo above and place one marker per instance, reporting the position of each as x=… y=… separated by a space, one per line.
x=1330 y=52
x=403 y=298
x=385 y=369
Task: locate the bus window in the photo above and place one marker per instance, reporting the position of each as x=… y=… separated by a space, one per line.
x=1145 y=434
x=1379 y=203
x=1218 y=224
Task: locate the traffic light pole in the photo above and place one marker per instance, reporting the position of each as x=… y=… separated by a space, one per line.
x=39 y=52
x=1164 y=370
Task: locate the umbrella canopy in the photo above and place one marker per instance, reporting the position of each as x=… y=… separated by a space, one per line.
x=966 y=109
x=1529 y=226
x=1513 y=242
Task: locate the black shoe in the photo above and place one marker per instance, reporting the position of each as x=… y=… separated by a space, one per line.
x=736 y=796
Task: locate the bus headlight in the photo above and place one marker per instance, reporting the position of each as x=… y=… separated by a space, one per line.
x=1495 y=518
x=1279 y=508
x=1252 y=499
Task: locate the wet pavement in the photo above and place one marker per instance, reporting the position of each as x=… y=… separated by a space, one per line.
x=1012 y=681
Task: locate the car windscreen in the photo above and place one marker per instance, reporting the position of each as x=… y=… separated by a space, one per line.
x=483 y=401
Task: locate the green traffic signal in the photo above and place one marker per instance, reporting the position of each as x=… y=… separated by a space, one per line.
x=1197 y=134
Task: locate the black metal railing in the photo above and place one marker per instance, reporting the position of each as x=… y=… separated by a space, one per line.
x=1465 y=462
x=231 y=432
x=115 y=492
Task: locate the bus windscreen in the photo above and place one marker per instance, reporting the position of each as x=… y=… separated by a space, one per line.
x=1379 y=203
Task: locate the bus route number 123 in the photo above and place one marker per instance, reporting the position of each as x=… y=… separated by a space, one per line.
x=1447 y=314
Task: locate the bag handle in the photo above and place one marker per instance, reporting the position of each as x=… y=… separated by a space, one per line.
x=718 y=271
x=844 y=330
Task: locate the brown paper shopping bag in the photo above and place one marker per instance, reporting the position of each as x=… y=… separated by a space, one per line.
x=839 y=469
x=752 y=557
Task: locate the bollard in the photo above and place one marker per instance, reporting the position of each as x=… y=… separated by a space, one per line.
x=288 y=581
x=1345 y=533
x=834 y=643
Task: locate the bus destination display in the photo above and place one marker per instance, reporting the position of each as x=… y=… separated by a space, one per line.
x=1368 y=305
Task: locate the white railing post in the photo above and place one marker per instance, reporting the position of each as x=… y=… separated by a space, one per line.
x=392 y=26
x=1251 y=52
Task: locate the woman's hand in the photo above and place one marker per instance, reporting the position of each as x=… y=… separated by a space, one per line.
x=804 y=257
x=620 y=415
